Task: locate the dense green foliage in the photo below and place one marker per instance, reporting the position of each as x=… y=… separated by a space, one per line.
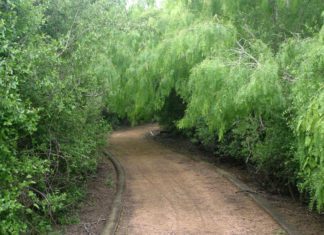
x=244 y=78
x=54 y=76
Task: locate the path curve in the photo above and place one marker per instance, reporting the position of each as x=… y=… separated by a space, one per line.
x=169 y=193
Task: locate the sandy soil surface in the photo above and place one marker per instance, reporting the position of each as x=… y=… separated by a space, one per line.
x=297 y=214
x=169 y=193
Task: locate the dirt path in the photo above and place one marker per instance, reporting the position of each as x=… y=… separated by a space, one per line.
x=168 y=193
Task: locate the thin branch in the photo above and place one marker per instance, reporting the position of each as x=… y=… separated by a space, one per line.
x=261 y=123
x=69 y=33
x=45 y=197
x=247 y=54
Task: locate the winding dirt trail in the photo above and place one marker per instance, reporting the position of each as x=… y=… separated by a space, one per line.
x=169 y=193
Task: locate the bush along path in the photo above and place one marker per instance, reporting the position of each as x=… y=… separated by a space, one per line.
x=166 y=192
x=92 y=214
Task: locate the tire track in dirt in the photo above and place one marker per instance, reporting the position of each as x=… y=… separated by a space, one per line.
x=168 y=193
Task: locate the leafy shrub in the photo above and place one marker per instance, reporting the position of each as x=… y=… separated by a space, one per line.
x=52 y=93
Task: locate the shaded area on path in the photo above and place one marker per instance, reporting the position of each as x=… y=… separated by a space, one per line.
x=169 y=193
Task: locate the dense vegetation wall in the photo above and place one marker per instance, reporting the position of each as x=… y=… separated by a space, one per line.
x=54 y=76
